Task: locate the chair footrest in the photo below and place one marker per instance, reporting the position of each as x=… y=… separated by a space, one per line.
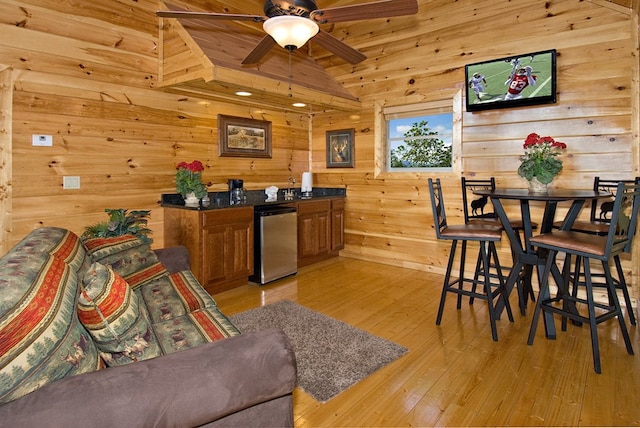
x=548 y=306
x=457 y=285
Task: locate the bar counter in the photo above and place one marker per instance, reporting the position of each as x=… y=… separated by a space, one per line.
x=220 y=200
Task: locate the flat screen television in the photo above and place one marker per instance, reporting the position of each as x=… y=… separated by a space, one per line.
x=514 y=81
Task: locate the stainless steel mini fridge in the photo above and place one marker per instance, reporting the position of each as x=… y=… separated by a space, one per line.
x=276 y=243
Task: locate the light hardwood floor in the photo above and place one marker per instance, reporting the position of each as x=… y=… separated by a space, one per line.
x=454 y=374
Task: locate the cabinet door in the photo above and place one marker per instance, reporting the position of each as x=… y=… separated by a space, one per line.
x=240 y=250
x=227 y=247
x=337 y=229
x=307 y=236
x=215 y=255
x=323 y=230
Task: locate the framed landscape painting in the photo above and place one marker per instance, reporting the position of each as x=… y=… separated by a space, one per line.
x=513 y=81
x=242 y=137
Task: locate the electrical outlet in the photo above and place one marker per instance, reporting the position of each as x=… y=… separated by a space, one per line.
x=42 y=140
x=70 y=182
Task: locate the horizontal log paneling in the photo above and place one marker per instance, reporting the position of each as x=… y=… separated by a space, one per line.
x=85 y=73
x=592 y=116
x=88 y=74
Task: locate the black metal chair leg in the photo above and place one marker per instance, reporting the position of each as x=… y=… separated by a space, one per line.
x=616 y=303
x=463 y=256
x=622 y=283
x=447 y=278
x=543 y=295
x=488 y=291
x=595 y=349
x=566 y=268
x=476 y=275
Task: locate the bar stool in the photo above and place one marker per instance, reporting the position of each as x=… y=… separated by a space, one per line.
x=486 y=236
x=474 y=213
x=587 y=246
x=598 y=224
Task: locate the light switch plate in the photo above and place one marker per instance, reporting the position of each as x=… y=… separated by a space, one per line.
x=42 y=140
x=70 y=182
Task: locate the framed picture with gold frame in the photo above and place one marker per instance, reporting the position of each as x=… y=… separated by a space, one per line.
x=340 y=148
x=242 y=137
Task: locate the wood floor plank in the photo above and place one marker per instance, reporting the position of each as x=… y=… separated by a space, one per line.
x=453 y=374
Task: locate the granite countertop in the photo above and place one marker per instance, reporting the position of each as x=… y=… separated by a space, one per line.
x=254 y=198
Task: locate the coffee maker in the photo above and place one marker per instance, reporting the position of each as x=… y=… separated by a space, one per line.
x=237 y=194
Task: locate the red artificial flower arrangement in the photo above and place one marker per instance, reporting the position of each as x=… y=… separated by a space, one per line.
x=189 y=179
x=540 y=158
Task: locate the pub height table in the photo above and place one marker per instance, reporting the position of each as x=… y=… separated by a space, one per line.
x=524 y=255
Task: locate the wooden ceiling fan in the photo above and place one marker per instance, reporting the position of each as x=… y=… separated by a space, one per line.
x=281 y=15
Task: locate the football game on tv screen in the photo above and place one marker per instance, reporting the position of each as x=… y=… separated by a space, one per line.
x=514 y=81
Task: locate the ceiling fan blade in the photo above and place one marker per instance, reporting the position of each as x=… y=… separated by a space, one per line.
x=263 y=47
x=338 y=47
x=209 y=15
x=372 y=10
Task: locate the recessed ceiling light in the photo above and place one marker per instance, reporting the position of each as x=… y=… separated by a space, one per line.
x=299 y=104
x=243 y=94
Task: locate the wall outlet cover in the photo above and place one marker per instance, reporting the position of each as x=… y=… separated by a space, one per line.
x=70 y=182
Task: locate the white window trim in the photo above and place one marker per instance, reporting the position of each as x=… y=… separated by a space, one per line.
x=380 y=135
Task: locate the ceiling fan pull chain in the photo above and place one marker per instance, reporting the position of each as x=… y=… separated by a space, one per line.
x=290 y=73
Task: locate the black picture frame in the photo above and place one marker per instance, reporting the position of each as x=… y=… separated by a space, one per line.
x=243 y=137
x=340 y=148
x=501 y=91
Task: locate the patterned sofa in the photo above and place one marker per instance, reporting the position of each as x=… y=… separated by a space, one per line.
x=90 y=333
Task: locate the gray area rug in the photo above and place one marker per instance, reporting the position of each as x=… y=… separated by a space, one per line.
x=331 y=355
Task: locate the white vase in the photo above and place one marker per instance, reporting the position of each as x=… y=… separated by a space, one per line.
x=537 y=187
x=191 y=200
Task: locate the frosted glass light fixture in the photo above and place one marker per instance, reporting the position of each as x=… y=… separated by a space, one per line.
x=289 y=31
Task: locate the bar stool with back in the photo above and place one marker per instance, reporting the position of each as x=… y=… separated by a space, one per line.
x=598 y=224
x=587 y=246
x=474 y=213
x=486 y=235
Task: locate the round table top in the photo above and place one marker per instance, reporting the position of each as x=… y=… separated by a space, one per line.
x=550 y=195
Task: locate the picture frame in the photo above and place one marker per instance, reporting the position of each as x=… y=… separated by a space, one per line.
x=340 y=148
x=243 y=137
x=514 y=81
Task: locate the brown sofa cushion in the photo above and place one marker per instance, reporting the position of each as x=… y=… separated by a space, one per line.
x=184 y=389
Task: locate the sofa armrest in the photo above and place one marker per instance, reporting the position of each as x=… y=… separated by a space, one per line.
x=186 y=388
x=174 y=259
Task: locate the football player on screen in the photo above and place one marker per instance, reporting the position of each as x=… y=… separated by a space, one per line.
x=518 y=82
x=477 y=82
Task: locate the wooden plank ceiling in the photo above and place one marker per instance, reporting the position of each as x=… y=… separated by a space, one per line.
x=203 y=57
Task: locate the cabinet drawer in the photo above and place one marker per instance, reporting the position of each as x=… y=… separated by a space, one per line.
x=227 y=215
x=310 y=207
x=337 y=204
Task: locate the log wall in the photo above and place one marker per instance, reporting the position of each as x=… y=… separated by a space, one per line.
x=87 y=73
x=388 y=216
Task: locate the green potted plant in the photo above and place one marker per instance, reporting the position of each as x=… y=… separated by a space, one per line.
x=121 y=223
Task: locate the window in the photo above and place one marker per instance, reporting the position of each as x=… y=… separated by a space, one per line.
x=419 y=137
x=417 y=142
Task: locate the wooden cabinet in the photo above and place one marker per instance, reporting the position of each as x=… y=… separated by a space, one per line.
x=220 y=244
x=314 y=233
x=320 y=230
